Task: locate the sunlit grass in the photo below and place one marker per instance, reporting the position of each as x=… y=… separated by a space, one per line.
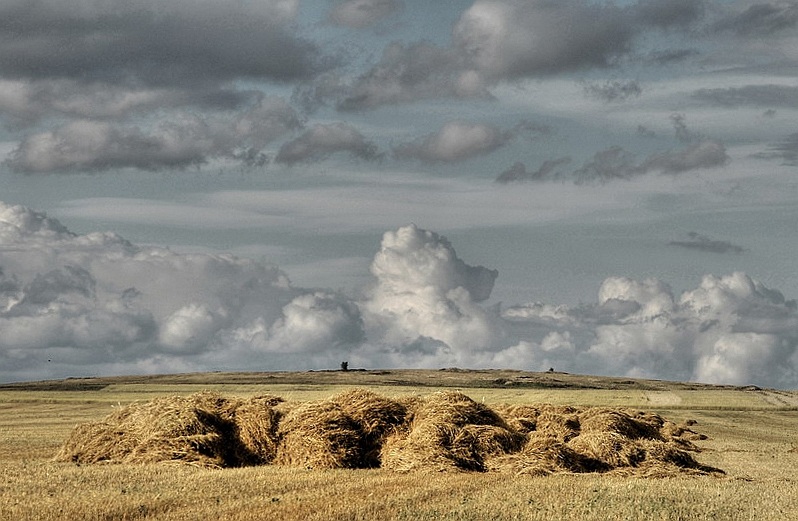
x=752 y=436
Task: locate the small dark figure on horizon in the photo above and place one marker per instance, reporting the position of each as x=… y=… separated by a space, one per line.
x=344 y=366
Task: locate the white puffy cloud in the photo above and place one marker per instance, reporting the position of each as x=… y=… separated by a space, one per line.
x=731 y=329
x=96 y=304
x=425 y=291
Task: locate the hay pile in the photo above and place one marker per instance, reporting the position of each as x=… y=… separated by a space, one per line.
x=445 y=431
x=204 y=429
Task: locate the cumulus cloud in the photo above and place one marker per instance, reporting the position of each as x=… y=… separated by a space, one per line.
x=96 y=304
x=730 y=329
x=322 y=140
x=178 y=142
x=358 y=14
x=425 y=293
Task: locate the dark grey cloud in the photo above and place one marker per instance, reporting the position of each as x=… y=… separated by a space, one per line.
x=613 y=90
x=702 y=154
x=180 y=141
x=549 y=170
x=669 y=13
x=358 y=14
x=504 y=40
x=607 y=165
x=153 y=43
x=616 y=163
x=701 y=242
x=513 y=39
x=24 y=103
x=756 y=95
x=787 y=150
x=322 y=140
x=412 y=72
x=668 y=56
x=644 y=131
x=763 y=19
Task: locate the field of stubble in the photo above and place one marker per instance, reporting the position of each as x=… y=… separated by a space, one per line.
x=752 y=435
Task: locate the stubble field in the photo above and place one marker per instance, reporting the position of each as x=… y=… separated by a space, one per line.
x=752 y=436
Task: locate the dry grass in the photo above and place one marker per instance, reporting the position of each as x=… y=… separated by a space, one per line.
x=445 y=431
x=753 y=440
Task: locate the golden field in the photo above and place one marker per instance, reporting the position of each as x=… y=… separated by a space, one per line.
x=752 y=435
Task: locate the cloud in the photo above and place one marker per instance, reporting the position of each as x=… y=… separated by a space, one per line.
x=730 y=329
x=616 y=163
x=323 y=140
x=358 y=14
x=787 y=150
x=408 y=73
x=514 y=39
x=26 y=102
x=762 y=19
x=704 y=243
x=96 y=304
x=612 y=91
x=756 y=95
x=549 y=170
x=177 y=142
x=496 y=41
x=154 y=43
x=456 y=141
x=703 y=154
x=426 y=293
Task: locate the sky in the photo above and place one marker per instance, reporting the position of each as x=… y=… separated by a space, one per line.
x=602 y=187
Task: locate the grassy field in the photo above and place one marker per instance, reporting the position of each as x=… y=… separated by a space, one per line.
x=753 y=436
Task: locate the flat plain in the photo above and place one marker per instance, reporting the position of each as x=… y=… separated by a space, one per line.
x=752 y=436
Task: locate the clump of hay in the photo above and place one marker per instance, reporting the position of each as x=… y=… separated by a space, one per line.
x=377 y=417
x=204 y=429
x=319 y=435
x=443 y=432
x=449 y=432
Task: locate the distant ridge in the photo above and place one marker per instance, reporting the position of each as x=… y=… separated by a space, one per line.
x=449 y=377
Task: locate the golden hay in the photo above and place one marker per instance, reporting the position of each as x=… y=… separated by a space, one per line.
x=608 y=450
x=319 y=435
x=200 y=429
x=628 y=425
x=443 y=432
x=558 y=421
x=256 y=421
x=424 y=449
x=449 y=431
x=540 y=456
